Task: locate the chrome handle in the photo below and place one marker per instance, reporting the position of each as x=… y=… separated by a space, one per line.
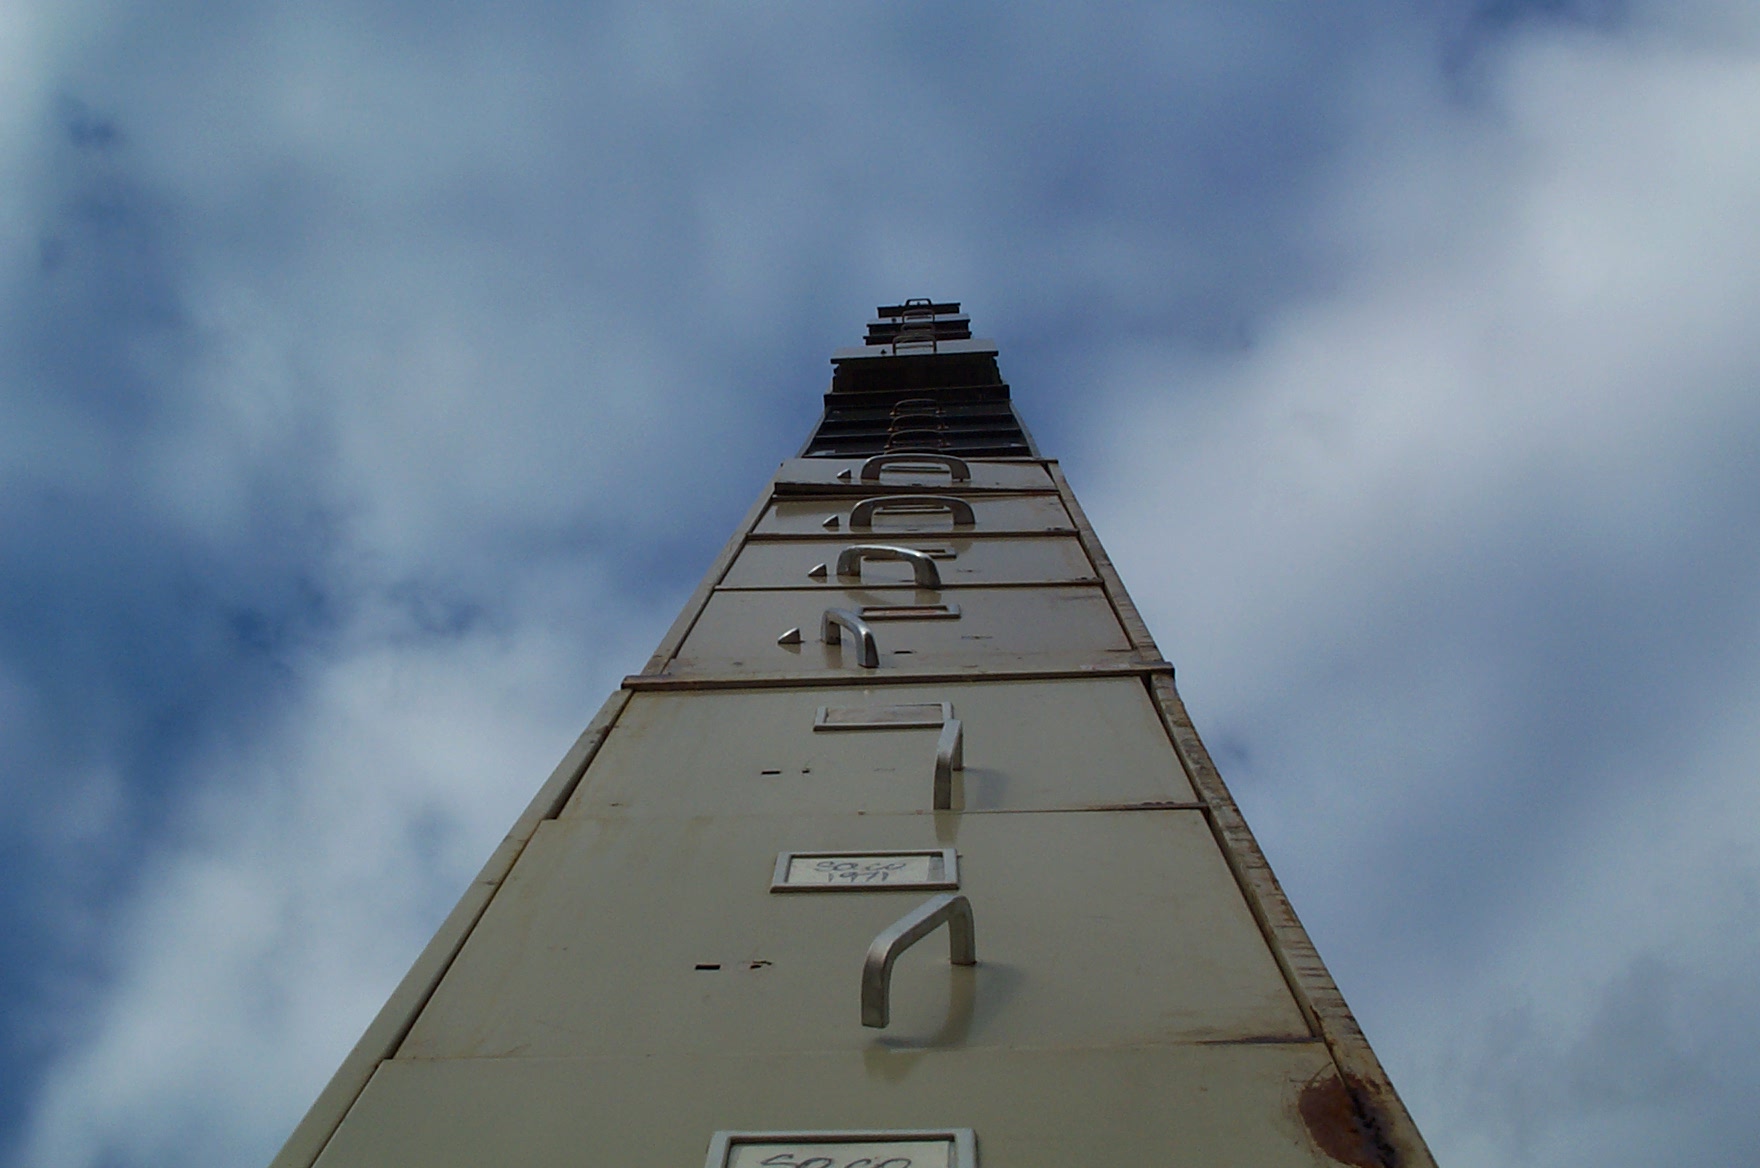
x=862 y=514
x=951 y=907
x=831 y=627
x=956 y=467
x=849 y=561
x=950 y=756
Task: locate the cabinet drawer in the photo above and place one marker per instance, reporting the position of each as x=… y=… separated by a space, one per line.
x=1173 y=1107
x=1029 y=746
x=996 y=629
x=662 y=935
x=956 y=561
x=991 y=514
x=915 y=472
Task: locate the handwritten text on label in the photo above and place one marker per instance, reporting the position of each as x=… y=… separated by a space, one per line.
x=867 y=871
x=878 y=1154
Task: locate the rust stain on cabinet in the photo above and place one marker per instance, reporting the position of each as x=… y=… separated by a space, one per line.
x=1343 y=1121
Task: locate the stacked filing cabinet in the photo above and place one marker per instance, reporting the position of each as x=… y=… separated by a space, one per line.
x=900 y=853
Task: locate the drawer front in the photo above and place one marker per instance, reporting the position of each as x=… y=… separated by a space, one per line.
x=1173 y=1107
x=833 y=516
x=996 y=630
x=914 y=473
x=1029 y=746
x=956 y=561
x=663 y=935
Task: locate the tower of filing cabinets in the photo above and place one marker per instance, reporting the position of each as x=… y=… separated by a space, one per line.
x=901 y=852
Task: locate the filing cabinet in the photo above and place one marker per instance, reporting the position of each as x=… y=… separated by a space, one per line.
x=901 y=854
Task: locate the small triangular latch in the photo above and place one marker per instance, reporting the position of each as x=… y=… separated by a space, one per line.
x=792 y=637
x=831 y=522
x=819 y=571
x=846 y=474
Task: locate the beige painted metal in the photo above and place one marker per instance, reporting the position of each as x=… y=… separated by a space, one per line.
x=960 y=561
x=1094 y=928
x=917 y=475
x=1029 y=746
x=1067 y=627
x=993 y=515
x=1219 y=1106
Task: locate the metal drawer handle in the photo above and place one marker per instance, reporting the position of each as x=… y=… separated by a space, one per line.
x=862 y=514
x=950 y=756
x=831 y=627
x=956 y=467
x=951 y=907
x=849 y=561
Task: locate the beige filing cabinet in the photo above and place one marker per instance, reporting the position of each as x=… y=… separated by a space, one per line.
x=944 y=879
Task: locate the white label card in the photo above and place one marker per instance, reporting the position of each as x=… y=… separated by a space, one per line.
x=875 y=1154
x=858 y=871
x=864 y=870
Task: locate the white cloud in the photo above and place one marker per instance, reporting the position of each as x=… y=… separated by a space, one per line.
x=1408 y=550
x=1614 y=1020
x=316 y=858
x=507 y=307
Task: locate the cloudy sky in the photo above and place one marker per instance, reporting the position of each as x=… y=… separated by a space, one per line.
x=379 y=377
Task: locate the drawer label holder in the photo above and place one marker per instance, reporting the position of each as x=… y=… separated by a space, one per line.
x=912 y=869
x=879 y=612
x=901 y=716
x=941 y=1148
